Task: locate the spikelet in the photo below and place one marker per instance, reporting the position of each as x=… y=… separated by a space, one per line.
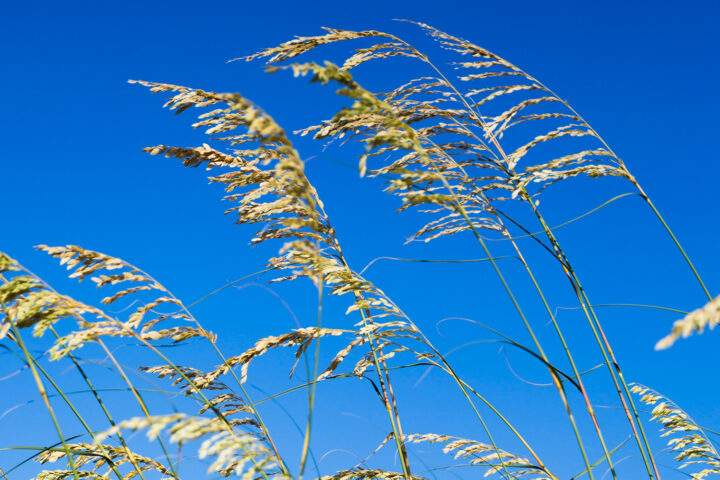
x=302 y=338
x=696 y=321
x=187 y=378
x=424 y=176
x=489 y=66
x=66 y=474
x=27 y=302
x=232 y=452
x=94 y=458
x=688 y=440
x=387 y=334
x=485 y=455
x=268 y=180
x=367 y=474
x=438 y=111
x=279 y=196
x=301 y=45
x=107 y=271
x=233 y=416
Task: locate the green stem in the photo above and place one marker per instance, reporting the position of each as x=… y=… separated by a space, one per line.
x=246 y=394
x=604 y=344
x=96 y=395
x=87 y=381
x=140 y=400
x=556 y=380
x=83 y=422
x=640 y=190
x=675 y=240
x=205 y=400
x=43 y=394
x=548 y=232
x=311 y=391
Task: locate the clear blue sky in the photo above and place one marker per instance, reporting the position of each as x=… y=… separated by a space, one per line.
x=644 y=74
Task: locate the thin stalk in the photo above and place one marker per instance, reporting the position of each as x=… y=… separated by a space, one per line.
x=43 y=394
x=311 y=391
x=465 y=387
x=192 y=385
x=125 y=389
x=390 y=408
x=85 y=377
x=605 y=347
x=636 y=305
x=558 y=384
x=572 y=220
x=227 y=285
x=83 y=422
x=675 y=240
x=640 y=190
x=27 y=459
x=96 y=395
x=416 y=260
x=332 y=377
x=251 y=404
x=273 y=398
x=550 y=235
x=256 y=413
x=140 y=401
x=556 y=380
x=601 y=460
x=380 y=366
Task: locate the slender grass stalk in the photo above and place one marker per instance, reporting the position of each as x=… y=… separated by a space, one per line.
x=311 y=391
x=674 y=239
x=274 y=399
x=40 y=450
x=380 y=366
x=572 y=220
x=251 y=404
x=641 y=191
x=600 y=460
x=96 y=395
x=635 y=305
x=140 y=401
x=197 y=390
x=43 y=393
x=506 y=286
x=391 y=408
x=85 y=425
x=415 y=260
x=561 y=257
x=86 y=379
x=460 y=209
x=609 y=356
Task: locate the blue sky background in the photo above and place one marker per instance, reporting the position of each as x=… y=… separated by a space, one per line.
x=642 y=73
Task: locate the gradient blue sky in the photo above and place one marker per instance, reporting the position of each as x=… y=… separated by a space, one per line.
x=644 y=74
